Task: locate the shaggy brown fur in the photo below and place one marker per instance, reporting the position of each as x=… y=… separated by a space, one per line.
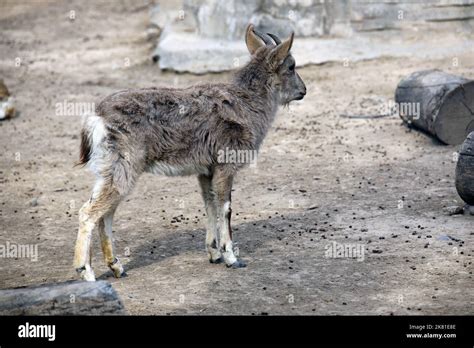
x=85 y=150
x=181 y=131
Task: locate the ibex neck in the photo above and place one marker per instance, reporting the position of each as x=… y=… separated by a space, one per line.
x=263 y=100
x=255 y=79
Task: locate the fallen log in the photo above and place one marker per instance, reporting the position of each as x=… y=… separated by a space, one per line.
x=438 y=103
x=465 y=170
x=69 y=298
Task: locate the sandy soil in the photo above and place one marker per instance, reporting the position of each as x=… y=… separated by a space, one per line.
x=320 y=178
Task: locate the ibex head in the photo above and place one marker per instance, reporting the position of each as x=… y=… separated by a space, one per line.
x=275 y=55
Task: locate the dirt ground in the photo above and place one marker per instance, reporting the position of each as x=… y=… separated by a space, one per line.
x=320 y=178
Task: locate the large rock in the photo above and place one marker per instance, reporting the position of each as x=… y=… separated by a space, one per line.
x=207 y=35
x=188 y=52
x=304 y=17
x=441 y=15
x=191 y=53
x=219 y=19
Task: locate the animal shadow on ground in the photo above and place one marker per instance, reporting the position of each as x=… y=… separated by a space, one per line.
x=248 y=238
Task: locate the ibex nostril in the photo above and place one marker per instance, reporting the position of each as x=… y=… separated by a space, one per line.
x=300 y=95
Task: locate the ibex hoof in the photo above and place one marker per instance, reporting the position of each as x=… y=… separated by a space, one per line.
x=119 y=273
x=216 y=261
x=237 y=264
x=86 y=273
x=117 y=269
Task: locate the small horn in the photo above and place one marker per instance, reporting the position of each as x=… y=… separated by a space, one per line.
x=264 y=37
x=275 y=38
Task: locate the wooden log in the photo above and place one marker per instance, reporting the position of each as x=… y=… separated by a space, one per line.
x=465 y=170
x=445 y=103
x=69 y=298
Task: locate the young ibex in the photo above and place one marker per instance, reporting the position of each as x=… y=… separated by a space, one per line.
x=180 y=132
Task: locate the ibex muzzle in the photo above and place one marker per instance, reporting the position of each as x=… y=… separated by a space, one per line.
x=182 y=132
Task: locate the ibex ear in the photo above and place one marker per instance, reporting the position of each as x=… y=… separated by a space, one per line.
x=281 y=51
x=252 y=40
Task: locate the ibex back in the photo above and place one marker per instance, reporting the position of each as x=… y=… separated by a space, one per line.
x=180 y=132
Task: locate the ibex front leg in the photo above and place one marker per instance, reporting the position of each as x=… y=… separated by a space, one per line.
x=209 y=198
x=222 y=185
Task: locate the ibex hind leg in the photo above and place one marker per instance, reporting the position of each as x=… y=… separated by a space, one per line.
x=95 y=213
x=107 y=244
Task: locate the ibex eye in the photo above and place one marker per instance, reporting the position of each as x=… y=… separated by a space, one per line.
x=291 y=67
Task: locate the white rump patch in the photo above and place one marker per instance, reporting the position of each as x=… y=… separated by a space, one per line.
x=95 y=130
